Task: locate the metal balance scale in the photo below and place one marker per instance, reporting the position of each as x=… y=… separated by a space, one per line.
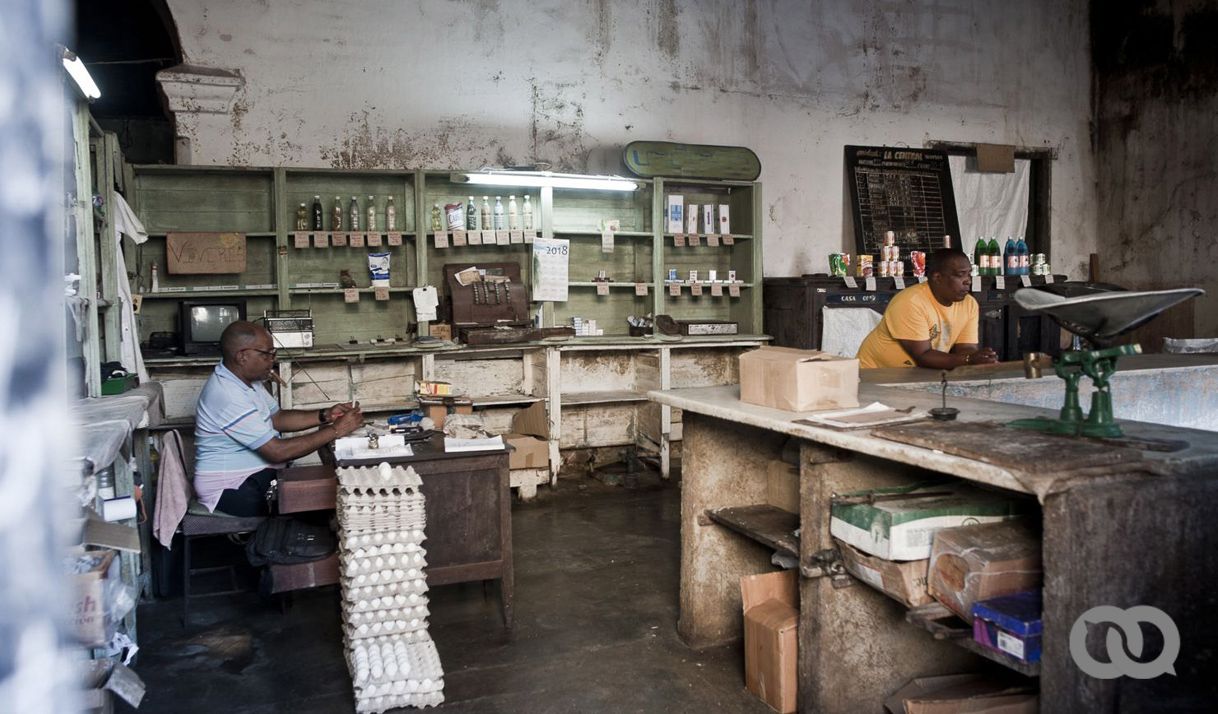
x=1099 y=315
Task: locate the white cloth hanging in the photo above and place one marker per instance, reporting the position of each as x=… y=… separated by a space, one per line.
x=126 y=222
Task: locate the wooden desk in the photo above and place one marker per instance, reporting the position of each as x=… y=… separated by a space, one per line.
x=469 y=517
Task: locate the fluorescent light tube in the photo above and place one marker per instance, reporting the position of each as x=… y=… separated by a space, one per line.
x=538 y=179
x=77 y=70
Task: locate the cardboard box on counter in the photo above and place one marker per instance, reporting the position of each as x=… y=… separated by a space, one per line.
x=771 y=620
x=904 y=581
x=798 y=380
x=974 y=563
x=899 y=523
x=962 y=694
x=440 y=330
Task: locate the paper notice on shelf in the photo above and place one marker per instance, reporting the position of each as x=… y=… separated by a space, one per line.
x=339 y=240
x=602 y=288
x=716 y=289
x=729 y=239
x=695 y=240
x=517 y=236
x=503 y=238
x=425 y=301
x=606 y=241
x=678 y=240
x=551 y=258
x=351 y=295
x=640 y=289
x=850 y=281
x=899 y=281
x=869 y=282
x=1025 y=280
x=695 y=289
x=674 y=289
x=976 y=286
x=374 y=240
x=441 y=239
x=1000 y=282
x=733 y=290
x=321 y=240
x=459 y=238
x=921 y=278
x=712 y=239
x=1049 y=279
x=300 y=240
x=530 y=236
x=394 y=238
x=357 y=240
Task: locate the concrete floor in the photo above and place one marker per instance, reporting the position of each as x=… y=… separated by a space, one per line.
x=596 y=610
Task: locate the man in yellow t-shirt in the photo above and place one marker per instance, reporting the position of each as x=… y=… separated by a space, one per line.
x=931 y=324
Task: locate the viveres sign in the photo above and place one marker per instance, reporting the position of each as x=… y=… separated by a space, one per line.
x=205 y=253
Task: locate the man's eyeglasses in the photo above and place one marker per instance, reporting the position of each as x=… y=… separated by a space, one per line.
x=268 y=353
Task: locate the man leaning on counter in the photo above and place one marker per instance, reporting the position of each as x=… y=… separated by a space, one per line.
x=931 y=324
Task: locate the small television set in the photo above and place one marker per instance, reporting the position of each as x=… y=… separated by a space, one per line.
x=201 y=322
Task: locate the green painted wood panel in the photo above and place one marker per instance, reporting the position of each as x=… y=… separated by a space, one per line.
x=207 y=201
x=584 y=210
x=322 y=265
x=302 y=186
x=338 y=322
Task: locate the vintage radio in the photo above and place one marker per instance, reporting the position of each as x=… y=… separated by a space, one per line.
x=290 y=329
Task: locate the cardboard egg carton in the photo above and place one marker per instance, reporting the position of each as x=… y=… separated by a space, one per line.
x=390 y=627
x=365 y=585
x=383 y=475
x=352 y=540
x=375 y=705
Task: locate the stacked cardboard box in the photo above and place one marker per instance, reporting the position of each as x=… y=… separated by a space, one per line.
x=390 y=654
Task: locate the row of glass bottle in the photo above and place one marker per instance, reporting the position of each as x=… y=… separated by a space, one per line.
x=312 y=220
x=456 y=216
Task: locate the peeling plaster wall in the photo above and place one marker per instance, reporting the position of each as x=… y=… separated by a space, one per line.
x=1157 y=70
x=466 y=83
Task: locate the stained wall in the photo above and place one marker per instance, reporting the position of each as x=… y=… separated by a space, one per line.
x=467 y=83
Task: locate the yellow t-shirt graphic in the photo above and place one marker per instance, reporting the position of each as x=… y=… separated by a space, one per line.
x=915 y=315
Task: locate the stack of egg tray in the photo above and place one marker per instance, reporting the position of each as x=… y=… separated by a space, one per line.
x=390 y=655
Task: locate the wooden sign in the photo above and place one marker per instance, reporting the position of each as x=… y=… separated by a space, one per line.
x=206 y=253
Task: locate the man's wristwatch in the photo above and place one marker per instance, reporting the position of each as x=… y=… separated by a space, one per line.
x=321 y=417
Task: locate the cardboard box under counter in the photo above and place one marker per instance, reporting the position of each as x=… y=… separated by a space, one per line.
x=979 y=562
x=771 y=646
x=798 y=380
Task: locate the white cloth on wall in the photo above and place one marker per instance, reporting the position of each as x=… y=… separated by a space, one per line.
x=425 y=301
x=843 y=329
x=126 y=222
x=989 y=204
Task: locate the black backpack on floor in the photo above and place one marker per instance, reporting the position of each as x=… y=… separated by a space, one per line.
x=287 y=541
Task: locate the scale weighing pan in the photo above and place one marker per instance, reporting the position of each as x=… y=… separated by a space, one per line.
x=1100 y=317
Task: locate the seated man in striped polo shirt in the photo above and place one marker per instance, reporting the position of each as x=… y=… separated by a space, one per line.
x=238 y=447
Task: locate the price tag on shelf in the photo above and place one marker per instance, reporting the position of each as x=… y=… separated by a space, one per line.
x=921 y=279
x=695 y=289
x=674 y=289
x=477 y=237
x=441 y=239
x=394 y=238
x=517 y=236
x=640 y=289
x=338 y=240
x=602 y=287
x=1000 y=282
x=869 y=284
x=530 y=236
x=716 y=289
x=321 y=240
x=460 y=238
x=850 y=281
x=733 y=290
x=899 y=281
x=712 y=239
x=729 y=239
x=357 y=240
x=300 y=240
x=374 y=240
x=695 y=240
x=1025 y=280
x=678 y=240
x=381 y=294
x=1049 y=279
x=351 y=295
x=976 y=286
x=502 y=238
x=606 y=241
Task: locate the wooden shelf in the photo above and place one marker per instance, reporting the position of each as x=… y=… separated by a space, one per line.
x=612 y=285
x=769 y=525
x=944 y=625
x=573 y=399
x=597 y=233
x=339 y=291
x=181 y=294
x=735 y=237
x=505 y=400
x=247 y=234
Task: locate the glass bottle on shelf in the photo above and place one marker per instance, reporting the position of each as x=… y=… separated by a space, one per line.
x=528 y=214
x=354 y=211
x=486 y=213
x=317 y=211
x=437 y=218
x=513 y=219
x=471 y=215
x=391 y=214
x=498 y=217
x=336 y=215
x=371 y=213
x=302 y=218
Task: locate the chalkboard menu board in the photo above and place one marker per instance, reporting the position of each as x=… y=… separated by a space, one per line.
x=906 y=191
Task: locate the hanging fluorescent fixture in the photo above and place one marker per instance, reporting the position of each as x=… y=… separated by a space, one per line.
x=76 y=69
x=537 y=179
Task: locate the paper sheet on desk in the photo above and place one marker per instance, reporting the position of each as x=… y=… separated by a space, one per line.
x=873 y=414
x=356 y=447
